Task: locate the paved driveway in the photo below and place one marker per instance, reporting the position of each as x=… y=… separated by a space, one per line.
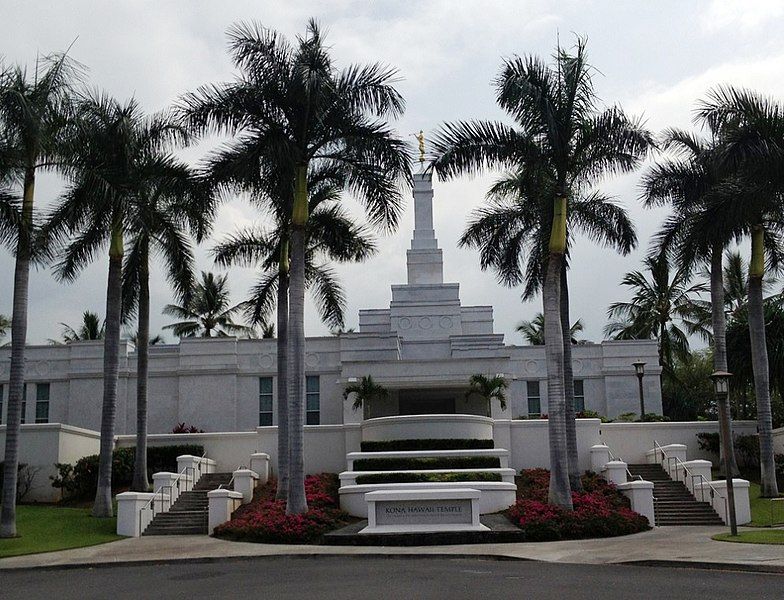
x=354 y=577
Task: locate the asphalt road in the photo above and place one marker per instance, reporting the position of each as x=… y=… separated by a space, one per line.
x=347 y=578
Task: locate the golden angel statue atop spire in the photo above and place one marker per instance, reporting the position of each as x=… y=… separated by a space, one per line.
x=421 y=139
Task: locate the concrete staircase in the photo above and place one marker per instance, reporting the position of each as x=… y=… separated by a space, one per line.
x=673 y=503
x=188 y=515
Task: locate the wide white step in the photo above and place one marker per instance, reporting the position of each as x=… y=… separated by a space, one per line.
x=500 y=453
x=350 y=477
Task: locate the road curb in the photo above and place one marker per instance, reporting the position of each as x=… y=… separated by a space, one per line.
x=705 y=565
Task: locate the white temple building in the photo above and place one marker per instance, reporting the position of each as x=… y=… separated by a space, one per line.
x=423 y=348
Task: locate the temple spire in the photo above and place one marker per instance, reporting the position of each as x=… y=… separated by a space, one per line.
x=424 y=259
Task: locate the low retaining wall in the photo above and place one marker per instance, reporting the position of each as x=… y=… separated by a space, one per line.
x=41 y=445
x=404 y=427
x=630 y=441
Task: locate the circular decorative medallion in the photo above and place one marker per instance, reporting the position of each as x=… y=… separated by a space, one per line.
x=577 y=366
x=425 y=323
x=445 y=322
x=531 y=366
x=266 y=360
x=311 y=359
x=404 y=323
x=42 y=368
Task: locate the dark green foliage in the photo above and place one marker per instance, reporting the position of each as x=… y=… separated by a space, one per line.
x=687 y=391
x=746 y=447
x=427 y=477
x=426 y=444
x=413 y=464
x=80 y=480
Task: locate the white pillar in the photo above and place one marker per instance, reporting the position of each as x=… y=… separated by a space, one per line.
x=740 y=488
x=245 y=481
x=600 y=456
x=129 y=521
x=259 y=463
x=222 y=503
x=615 y=472
x=640 y=494
x=169 y=481
x=696 y=468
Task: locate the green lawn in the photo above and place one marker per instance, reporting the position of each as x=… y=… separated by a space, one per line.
x=48 y=528
x=764 y=513
x=765 y=536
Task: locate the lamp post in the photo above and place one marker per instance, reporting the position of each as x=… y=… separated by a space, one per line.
x=639 y=368
x=721 y=387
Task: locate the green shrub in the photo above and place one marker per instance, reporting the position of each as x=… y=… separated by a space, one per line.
x=746 y=447
x=81 y=480
x=427 y=477
x=413 y=464
x=426 y=444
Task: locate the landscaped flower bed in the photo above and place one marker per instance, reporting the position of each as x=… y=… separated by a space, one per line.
x=600 y=510
x=264 y=519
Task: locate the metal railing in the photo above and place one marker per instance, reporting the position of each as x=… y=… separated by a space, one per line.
x=628 y=472
x=185 y=478
x=673 y=462
x=231 y=481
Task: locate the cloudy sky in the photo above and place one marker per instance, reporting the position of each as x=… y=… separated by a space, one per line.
x=655 y=58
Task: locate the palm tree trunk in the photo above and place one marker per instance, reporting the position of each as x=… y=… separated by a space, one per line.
x=16 y=376
x=560 y=492
x=759 y=361
x=297 y=502
x=111 y=362
x=569 y=412
x=140 y=482
x=720 y=350
x=283 y=396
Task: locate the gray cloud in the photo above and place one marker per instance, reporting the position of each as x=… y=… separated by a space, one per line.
x=654 y=58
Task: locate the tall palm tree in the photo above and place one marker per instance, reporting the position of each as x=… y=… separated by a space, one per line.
x=664 y=307
x=291 y=109
x=701 y=226
x=208 y=311
x=533 y=330
x=365 y=391
x=488 y=389
x=33 y=114
x=174 y=205
x=119 y=155
x=331 y=235
x=561 y=133
x=90 y=329
x=753 y=143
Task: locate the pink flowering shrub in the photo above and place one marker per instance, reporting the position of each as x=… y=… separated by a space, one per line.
x=264 y=519
x=599 y=510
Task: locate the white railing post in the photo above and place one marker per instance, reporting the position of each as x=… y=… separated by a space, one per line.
x=245 y=481
x=600 y=456
x=259 y=462
x=130 y=516
x=222 y=503
x=615 y=472
x=640 y=495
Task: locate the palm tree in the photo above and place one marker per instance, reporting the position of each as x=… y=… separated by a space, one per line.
x=533 y=330
x=90 y=329
x=175 y=204
x=664 y=307
x=291 y=110
x=118 y=158
x=153 y=341
x=564 y=139
x=208 y=312
x=365 y=391
x=488 y=389
x=702 y=225
x=33 y=115
x=5 y=325
x=331 y=235
x=753 y=143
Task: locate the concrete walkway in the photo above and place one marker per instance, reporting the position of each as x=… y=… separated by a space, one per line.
x=689 y=545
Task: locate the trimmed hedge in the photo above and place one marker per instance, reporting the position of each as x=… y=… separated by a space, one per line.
x=414 y=464
x=426 y=477
x=427 y=444
x=81 y=480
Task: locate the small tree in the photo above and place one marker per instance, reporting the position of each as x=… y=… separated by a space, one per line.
x=364 y=391
x=489 y=389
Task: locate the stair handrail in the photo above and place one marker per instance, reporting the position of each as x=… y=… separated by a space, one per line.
x=674 y=460
x=231 y=481
x=181 y=476
x=628 y=472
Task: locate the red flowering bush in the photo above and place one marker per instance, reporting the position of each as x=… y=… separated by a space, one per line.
x=599 y=510
x=264 y=519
